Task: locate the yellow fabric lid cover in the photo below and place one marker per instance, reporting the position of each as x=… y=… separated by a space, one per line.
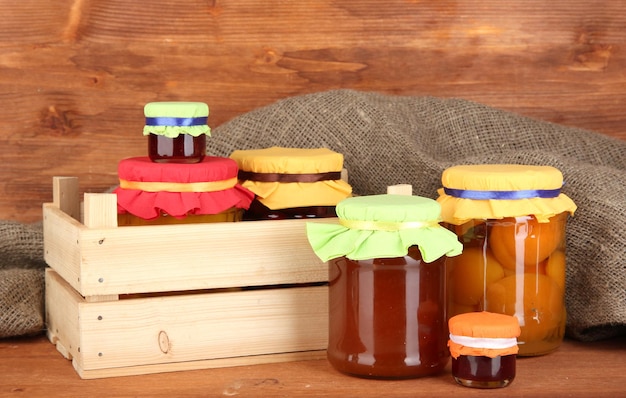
x=383 y=226
x=483 y=334
x=495 y=191
x=173 y=118
x=292 y=177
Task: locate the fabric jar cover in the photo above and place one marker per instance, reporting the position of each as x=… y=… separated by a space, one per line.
x=495 y=191
x=149 y=189
x=383 y=226
x=483 y=334
x=170 y=119
x=293 y=177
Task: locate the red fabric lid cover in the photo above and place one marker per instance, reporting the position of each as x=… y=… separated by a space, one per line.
x=149 y=205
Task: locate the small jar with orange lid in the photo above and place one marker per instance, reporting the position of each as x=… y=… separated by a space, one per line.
x=511 y=220
x=160 y=193
x=483 y=346
x=292 y=183
x=176 y=131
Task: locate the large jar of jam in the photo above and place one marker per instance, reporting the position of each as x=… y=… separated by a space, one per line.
x=292 y=183
x=511 y=220
x=386 y=258
x=176 y=131
x=483 y=346
x=157 y=193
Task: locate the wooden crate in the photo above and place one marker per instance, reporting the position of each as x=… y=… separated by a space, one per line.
x=147 y=299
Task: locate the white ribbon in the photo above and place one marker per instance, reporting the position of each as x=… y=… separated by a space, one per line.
x=484 y=342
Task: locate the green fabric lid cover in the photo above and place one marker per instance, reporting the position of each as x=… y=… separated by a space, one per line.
x=383 y=226
x=173 y=118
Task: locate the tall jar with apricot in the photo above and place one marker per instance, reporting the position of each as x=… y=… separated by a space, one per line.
x=176 y=131
x=386 y=258
x=511 y=220
x=292 y=183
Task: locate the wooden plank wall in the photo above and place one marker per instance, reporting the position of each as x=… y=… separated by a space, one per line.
x=74 y=75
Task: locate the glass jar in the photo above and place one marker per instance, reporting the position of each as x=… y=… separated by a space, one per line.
x=156 y=193
x=387 y=315
x=292 y=183
x=229 y=215
x=511 y=220
x=483 y=347
x=182 y=149
x=258 y=211
x=176 y=131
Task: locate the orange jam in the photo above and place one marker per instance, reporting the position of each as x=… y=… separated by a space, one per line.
x=387 y=316
x=511 y=219
x=387 y=285
x=230 y=215
x=513 y=266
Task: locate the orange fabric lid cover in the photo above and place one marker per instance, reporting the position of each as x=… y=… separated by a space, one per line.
x=483 y=334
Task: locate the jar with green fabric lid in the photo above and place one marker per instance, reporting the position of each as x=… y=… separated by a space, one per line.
x=387 y=312
x=176 y=131
x=511 y=220
x=292 y=183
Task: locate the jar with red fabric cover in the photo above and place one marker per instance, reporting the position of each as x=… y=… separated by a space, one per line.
x=164 y=193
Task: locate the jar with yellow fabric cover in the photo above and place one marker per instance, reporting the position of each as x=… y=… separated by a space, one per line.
x=386 y=259
x=292 y=183
x=511 y=220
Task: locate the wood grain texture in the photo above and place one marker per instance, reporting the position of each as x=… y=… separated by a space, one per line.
x=99 y=259
x=32 y=367
x=74 y=75
x=167 y=333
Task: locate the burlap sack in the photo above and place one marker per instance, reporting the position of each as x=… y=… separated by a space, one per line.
x=21 y=279
x=391 y=139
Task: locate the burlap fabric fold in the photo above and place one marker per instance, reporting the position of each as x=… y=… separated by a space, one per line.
x=21 y=279
x=402 y=139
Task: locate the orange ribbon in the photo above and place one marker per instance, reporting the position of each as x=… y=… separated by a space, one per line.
x=205 y=186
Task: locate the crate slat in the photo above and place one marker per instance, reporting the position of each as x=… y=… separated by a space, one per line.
x=140 y=259
x=155 y=331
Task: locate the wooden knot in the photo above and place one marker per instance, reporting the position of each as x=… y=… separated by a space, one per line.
x=57 y=121
x=164 y=342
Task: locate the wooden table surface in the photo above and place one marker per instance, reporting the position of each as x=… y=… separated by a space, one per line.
x=31 y=367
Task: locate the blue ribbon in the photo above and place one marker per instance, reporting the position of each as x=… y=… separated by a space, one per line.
x=503 y=195
x=176 y=121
